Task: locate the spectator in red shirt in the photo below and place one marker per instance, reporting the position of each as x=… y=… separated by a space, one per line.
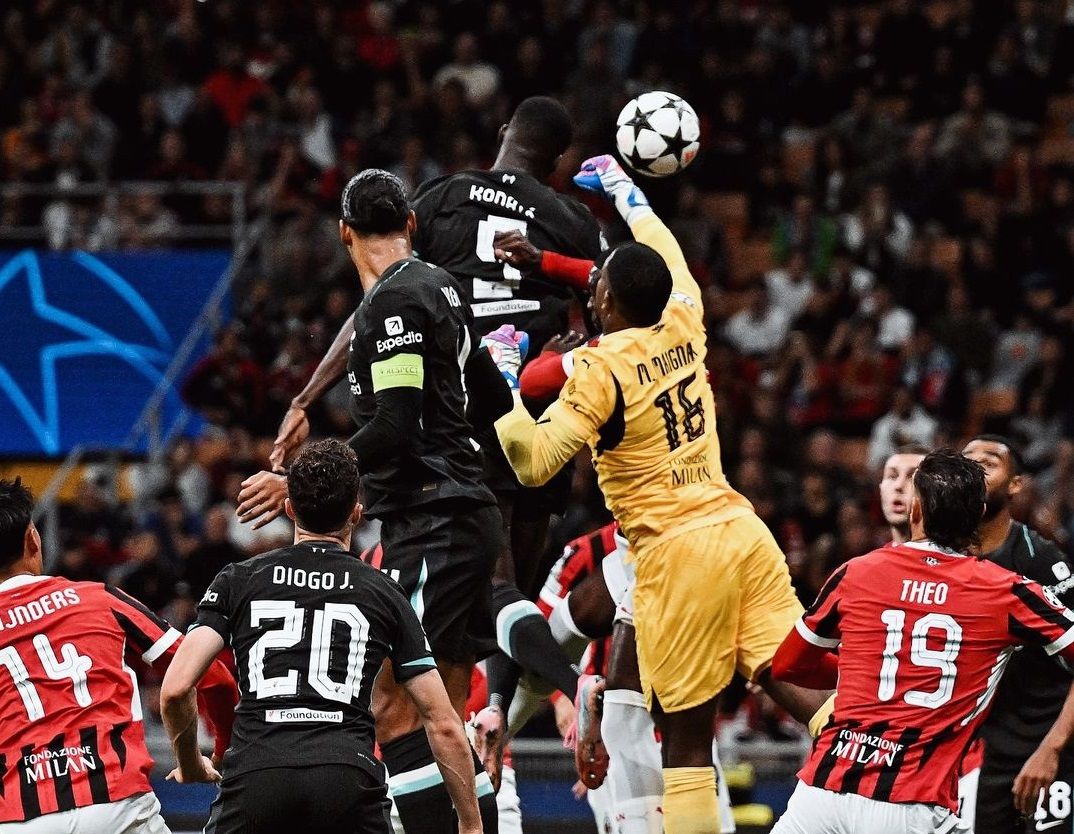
x=231 y=88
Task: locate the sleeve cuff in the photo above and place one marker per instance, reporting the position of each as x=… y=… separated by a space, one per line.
x=814 y=639
x=165 y=642
x=413 y=668
x=217 y=622
x=1065 y=640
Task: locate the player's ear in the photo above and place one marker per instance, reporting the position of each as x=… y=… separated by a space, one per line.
x=356 y=514
x=31 y=545
x=344 y=234
x=502 y=132
x=915 y=510
x=1015 y=485
x=411 y=223
x=289 y=510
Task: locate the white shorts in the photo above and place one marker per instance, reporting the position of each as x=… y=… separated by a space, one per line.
x=817 y=811
x=619 y=577
x=967 y=800
x=139 y=814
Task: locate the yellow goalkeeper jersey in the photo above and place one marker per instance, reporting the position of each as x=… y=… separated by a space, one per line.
x=640 y=398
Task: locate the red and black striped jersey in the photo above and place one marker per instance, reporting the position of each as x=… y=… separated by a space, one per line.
x=923 y=635
x=71 y=730
x=580 y=558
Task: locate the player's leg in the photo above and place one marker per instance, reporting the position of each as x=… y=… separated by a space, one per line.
x=432 y=552
x=680 y=683
x=629 y=736
x=523 y=634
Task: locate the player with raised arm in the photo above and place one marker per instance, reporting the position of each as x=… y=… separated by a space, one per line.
x=311 y=627
x=923 y=631
x=641 y=400
x=1027 y=770
x=457 y=218
x=71 y=731
x=441 y=531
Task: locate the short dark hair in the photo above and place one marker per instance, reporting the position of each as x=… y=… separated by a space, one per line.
x=16 y=513
x=322 y=484
x=640 y=282
x=1017 y=464
x=951 y=489
x=543 y=126
x=374 y=202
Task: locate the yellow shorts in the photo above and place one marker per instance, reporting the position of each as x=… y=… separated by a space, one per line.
x=708 y=601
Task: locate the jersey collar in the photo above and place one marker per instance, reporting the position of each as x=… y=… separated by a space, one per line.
x=20 y=580
x=932 y=547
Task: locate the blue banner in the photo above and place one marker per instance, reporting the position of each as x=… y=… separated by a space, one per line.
x=86 y=338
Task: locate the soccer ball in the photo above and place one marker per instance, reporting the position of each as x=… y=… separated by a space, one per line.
x=657 y=134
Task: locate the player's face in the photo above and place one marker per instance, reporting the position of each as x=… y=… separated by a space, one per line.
x=995 y=458
x=896 y=488
x=598 y=298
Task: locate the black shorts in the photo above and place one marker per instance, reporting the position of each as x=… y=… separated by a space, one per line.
x=444 y=554
x=996 y=813
x=321 y=799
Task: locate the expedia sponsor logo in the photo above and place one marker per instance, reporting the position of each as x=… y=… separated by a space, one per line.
x=301 y=715
x=393 y=325
x=408 y=338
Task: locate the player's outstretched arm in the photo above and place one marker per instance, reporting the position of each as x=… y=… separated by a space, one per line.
x=179 y=706
x=603 y=175
x=295 y=427
x=800 y=662
x=538 y=449
x=447 y=738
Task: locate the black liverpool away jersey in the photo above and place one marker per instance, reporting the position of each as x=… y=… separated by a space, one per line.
x=416 y=311
x=458 y=216
x=1034 y=685
x=310 y=625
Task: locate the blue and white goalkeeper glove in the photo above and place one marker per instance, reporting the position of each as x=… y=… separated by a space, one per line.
x=603 y=175
x=508 y=348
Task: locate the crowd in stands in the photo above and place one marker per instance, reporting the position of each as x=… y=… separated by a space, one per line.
x=882 y=216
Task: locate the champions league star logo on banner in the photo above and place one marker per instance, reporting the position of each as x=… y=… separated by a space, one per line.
x=85 y=339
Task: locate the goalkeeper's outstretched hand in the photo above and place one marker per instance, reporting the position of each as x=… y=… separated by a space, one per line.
x=508 y=348
x=603 y=175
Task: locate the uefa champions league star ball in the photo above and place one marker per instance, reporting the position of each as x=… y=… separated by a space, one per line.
x=657 y=134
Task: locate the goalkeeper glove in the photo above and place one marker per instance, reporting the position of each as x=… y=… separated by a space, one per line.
x=603 y=175
x=508 y=348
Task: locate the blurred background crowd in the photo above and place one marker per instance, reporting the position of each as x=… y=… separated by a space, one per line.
x=882 y=216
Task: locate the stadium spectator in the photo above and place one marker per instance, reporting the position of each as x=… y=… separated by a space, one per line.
x=906 y=423
x=761 y=327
